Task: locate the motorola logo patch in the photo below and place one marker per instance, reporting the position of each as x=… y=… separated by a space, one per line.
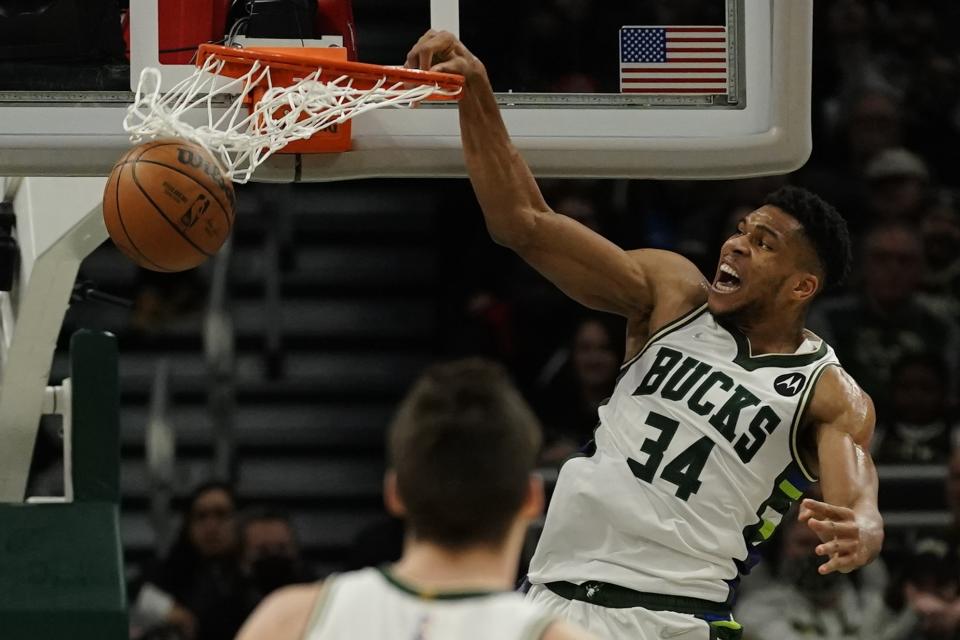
x=789 y=384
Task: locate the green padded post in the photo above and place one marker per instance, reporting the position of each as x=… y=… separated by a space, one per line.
x=96 y=417
x=61 y=565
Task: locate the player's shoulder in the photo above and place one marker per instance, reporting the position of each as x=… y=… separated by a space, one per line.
x=838 y=399
x=284 y=614
x=565 y=631
x=676 y=283
x=663 y=265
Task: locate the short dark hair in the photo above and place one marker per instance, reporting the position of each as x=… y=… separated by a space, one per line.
x=462 y=445
x=823 y=226
x=261 y=513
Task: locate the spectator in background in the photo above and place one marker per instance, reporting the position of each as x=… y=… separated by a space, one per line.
x=847 y=54
x=922 y=602
x=940 y=229
x=801 y=603
x=917 y=429
x=195 y=590
x=577 y=380
x=269 y=554
x=873 y=328
x=898 y=185
x=862 y=125
x=165 y=298
x=871 y=122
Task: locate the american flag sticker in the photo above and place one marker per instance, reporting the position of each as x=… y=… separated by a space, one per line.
x=674 y=60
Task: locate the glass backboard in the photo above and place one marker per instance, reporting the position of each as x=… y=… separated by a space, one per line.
x=643 y=89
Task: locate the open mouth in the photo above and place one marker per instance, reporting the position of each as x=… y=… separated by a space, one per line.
x=728 y=280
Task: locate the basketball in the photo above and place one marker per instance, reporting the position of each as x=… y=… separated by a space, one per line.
x=168 y=206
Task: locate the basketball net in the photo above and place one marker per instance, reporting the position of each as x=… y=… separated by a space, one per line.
x=243 y=117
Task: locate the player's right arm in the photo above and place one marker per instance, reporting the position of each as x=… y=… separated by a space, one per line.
x=583 y=264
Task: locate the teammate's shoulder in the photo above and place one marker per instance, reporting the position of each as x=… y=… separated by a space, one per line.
x=559 y=630
x=283 y=614
x=296 y=595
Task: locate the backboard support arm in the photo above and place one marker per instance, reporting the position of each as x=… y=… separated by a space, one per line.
x=58 y=223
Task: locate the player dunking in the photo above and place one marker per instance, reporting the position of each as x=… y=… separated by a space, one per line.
x=462 y=448
x=725 y=411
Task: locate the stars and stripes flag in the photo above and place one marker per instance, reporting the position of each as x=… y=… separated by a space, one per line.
x=688 y=60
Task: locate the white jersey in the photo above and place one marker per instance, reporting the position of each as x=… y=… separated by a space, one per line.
x=696 y=462
x=371 y=604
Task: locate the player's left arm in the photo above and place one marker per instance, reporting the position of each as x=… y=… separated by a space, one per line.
x=848 y=521
x=283 y=615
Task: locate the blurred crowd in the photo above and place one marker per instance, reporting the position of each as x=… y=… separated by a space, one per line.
x=886 y=148
x=223 y=562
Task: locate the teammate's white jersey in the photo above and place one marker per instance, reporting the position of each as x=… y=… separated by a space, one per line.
x=371 y=604
x=695 y=464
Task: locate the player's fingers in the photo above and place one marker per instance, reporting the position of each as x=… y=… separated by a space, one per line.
x=834 y=547
x=833 y=529
x=844 y=563
x=826 y=511
x=425 y=58
x=413 y=56
x=450 y=66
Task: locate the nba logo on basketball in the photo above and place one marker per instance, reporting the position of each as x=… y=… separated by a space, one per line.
x=196 y=211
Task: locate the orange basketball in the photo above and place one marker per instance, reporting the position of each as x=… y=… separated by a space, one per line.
x=167 y=205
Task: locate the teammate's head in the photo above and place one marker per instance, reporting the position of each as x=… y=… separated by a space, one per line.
x=462 y=447
x=781 y=256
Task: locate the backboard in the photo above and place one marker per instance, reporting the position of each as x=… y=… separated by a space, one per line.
x=563 y=75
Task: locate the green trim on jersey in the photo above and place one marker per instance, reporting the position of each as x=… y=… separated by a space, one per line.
x=805 y=398
x=432 y=595
x=320 y=606
x=783 y=495
x=792 y=492
x=668 y=328
x=746 y=360
x=726 y=630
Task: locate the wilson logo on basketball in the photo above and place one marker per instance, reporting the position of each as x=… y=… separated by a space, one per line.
x=196 y=211
x=187 y=157
x=789 y=384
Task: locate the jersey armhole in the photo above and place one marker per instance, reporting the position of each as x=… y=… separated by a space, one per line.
x=319 y=607
x=677 y=323
x=802 y=406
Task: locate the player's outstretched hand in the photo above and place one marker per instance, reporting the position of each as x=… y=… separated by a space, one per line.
x=839 y=535
x=442 y=51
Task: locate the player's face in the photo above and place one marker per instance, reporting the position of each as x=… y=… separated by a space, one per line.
x=755 y=263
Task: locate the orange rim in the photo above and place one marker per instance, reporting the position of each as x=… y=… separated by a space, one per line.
x=306 y=61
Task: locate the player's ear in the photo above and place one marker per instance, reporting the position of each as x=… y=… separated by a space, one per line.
x=806 y=287
x=391 y=495
x=533 y=502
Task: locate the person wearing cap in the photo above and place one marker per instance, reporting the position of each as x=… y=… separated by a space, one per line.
x=898 y=185
x=884 y=318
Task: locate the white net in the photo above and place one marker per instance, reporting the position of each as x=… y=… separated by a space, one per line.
x=241 y=138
